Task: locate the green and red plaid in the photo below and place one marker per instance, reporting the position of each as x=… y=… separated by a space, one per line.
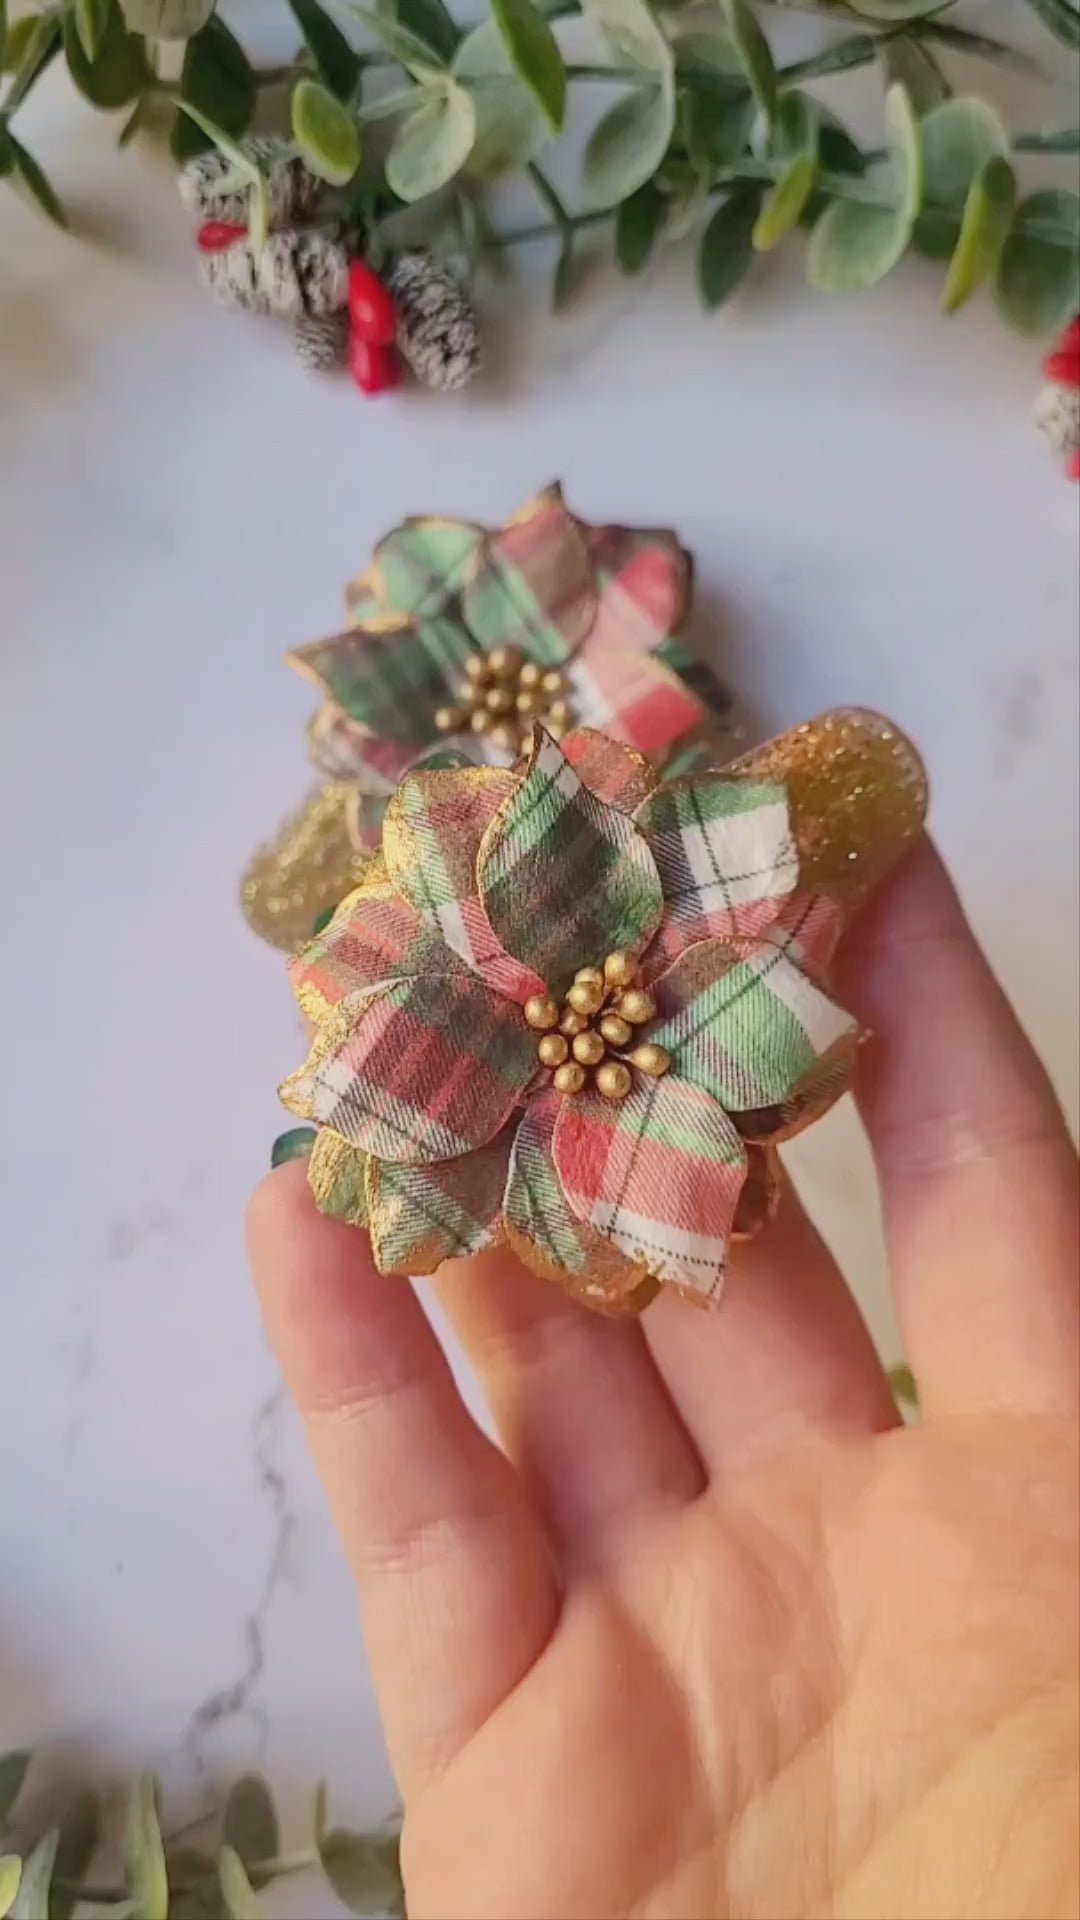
x=616 y=773
x=726 y=857
x=431 y=841
x=563 y=879
x=532 y=585
x=428 y=1069
x=422 y=1215
x=392 y=684
x=416 y=570
x=629 y=697
x=659 y=1174
x=374 y=937
x=743 y=1022
x=540 y=1226
x=643 y=580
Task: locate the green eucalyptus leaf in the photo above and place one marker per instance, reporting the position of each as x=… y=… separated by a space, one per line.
x=14 y=42
x=7 y=157
x=325 y=132
x=236 y=1889
x=430 y=20
x=958 y=138
x=363 y=1871
x=32 y=44
x=167 y=19
x=13 y=1767
x=218 y=82
x=795 y=144
x=716 y=125
x=753 y=50
x=627 y=145
x=250 y=1825
x=36 y=182
x=638 y=221
x=3 y=35
x=31 y=1902
x=534 y=55
x=1038 y=279
x=338 y=63
x=1062 y=19
x=711 y=55
x=853 y=246
x=118 y=73
x=144 y=1852
x=837 y=151
x=890 y=11
x=418 y=56
x=194 y=1889
x=510 y=125
x=906 y=60
x=727 y=247
x=91 y=24
x=432 y=143
x=10 y=1875
x=630 y=29
x=80 y=1832
x=986 y=219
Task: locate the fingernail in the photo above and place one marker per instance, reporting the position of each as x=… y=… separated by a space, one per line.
x=294 y=1145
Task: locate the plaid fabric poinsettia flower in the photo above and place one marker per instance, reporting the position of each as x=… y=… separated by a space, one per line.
x=576 y=1009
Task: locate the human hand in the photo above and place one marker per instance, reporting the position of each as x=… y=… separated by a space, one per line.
x=715 y=1635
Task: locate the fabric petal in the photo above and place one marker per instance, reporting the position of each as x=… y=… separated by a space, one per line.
x=419 y=1216
x=726 y=858
x=374 y=937
x=336 y=1177
x=309 y=866
x=532 y=585
x=659 y=1174
x=427 y=1069
x=563 y=878
x=857 y=793
x=707 y=687
x=431 y=839
x=614 y=772
x=746 y=1025
x=630 y=697
x=549 y=1237
x=643 y=577
x=345 y=750
x=415 y=570
x=391 y=683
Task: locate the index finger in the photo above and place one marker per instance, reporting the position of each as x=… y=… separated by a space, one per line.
x=976 y=1170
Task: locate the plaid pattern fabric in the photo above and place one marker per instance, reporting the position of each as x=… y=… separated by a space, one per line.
x=564 y=879
x=630 y=698
x=659 y=1175
x=420 y=1216
x=336 y=745
x=643 y=577
x=374 y=937
x=725 y=855
x=336 y=1178
x=391 y=683
x=703 y=683
x=431 y=840
x=428 y=1069
x=415 y=570
x=746 y=1025
x=532 y=585
x=546 y=1235
x=614 y=772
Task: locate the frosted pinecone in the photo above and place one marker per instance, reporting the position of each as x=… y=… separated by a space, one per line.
x=296 y=276
x=437 y=333
x=1057 y=414
x=322 y=343
x=292 y=191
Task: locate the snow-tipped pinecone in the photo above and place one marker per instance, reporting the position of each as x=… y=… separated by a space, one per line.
x=322 y=343
x=1057 y=410
x=292 y=191
x=296 y=276
x=437 y=333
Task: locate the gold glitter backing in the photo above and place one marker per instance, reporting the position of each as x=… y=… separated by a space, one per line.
x=858 y=794
x=311 y=865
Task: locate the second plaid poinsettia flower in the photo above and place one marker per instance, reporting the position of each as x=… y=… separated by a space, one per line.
x=576 y=1009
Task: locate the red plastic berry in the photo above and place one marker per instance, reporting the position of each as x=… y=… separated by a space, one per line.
x=1072 y=466
x=215 y=235
x=374 y=368
x=370 y=307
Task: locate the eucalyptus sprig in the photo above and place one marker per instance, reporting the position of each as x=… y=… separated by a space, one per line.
x=213 y=1869
x=706 y=133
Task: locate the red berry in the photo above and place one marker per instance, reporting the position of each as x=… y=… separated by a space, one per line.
x=374 y=368
x=215 y=235
x=370 y=307
x=1072 y=466
x=1063 y=366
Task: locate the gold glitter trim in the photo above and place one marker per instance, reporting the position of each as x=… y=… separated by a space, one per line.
x=309 y=866
x=615 y=1286
x=336 y=1176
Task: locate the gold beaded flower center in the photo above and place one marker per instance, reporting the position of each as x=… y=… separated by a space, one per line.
x=501 y=696
x=594 y=1036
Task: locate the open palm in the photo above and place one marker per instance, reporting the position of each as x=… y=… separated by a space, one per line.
x=714 y=1634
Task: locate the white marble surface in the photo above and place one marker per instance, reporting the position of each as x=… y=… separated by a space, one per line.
x=179 y=503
